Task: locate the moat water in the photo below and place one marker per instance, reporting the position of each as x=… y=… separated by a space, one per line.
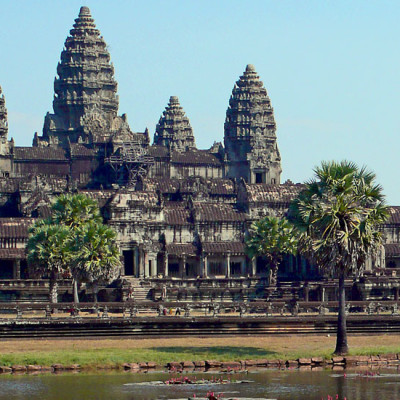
x=265 y=384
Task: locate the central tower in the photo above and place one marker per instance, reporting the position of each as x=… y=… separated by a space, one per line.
x=85 y=98
x=250 y=132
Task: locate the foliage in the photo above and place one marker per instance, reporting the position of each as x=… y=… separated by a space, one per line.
x=338 y=216
x=74 y=240
x=271 y=237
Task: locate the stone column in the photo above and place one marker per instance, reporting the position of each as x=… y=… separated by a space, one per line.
x=306 y=293
x=146 y=264
x=17 y=269
x=204 y=266
x=323 y=294
x=254 y=267
x=165 y=264
x=140 y=254
x=182 y=266
x=228 y=265
x=243 y=267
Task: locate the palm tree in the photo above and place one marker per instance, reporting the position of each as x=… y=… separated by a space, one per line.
x=48 y=252
x=338 y=216
x=271 y=237
x=74 y=241
x=97 y=257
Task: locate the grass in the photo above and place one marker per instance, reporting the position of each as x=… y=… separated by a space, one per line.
x=113 y=352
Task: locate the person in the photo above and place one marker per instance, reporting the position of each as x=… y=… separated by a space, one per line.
x=178 y=311
x=164 y=292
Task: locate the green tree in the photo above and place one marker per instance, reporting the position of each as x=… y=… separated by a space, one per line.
x=89 y=251
x=97 y=258
x=338 y=216
x=271 y=237
x=48 y=252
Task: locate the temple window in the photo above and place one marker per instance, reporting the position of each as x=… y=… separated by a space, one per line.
x=216 y=268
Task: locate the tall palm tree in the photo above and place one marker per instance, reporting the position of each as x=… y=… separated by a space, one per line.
x=271 y=237
x=97 y=258
x=338 y=216
x=49 y=252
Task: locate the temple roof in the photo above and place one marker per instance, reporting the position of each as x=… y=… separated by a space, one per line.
x=39 y=153
x=394 y=215
x=15 y=227
x=173 y=129
x=392 y=249
x=266 y=193
x=217 y=212
x=223 y=247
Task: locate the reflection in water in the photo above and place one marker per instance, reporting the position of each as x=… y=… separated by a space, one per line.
x=272 y=384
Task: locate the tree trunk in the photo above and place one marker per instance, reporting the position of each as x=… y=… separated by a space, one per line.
x=53 y=290
x=95 y=290
x=341 y=337
x=75 y=287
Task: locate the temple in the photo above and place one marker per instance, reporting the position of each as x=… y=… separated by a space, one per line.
x=180 y=213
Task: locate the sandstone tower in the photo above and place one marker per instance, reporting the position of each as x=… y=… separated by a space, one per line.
x=4 y=143
x=173 y=129
x=250 y=132
x=85 y=102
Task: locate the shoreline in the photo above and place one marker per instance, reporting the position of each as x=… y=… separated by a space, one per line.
x=338 y=363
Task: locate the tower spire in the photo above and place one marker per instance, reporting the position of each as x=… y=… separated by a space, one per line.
x=173 y=129
x=3 y=117
x=250 y=131
x=85 y=85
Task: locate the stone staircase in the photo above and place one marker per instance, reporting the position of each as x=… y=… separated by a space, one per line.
x=141 y=290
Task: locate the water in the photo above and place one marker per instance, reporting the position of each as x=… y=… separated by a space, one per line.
x=268 y=384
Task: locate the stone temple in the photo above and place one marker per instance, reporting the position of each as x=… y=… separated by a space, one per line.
x=181 y=213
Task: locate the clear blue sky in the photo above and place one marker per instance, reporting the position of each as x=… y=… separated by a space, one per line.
x=331 y=68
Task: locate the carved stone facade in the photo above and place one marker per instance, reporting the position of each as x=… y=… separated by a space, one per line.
x=174 y=130
x=180 y=213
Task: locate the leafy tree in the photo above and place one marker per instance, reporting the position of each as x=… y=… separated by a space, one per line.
x=96 y=255
x=271 y=237
x=338 y=215
x=74 y=240
x=49 y=252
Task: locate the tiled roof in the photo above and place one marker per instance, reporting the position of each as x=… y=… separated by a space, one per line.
x=221 y=187
x=181 y=248
x=158 y=151
x=15 y=227
x=12 y=254
x=195 y=157
x=223 y=247
x=394 y=215
x=392 y=249
x=79 y=150
x=260 y=192
x=39 y=153
x=177 y=215
x=216 y=212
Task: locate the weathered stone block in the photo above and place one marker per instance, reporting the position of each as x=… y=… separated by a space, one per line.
x=58 y=367
x=5 y=370
x=304 y=361
x=338 y=360
x=130 y=366
x=317 y=360
x=18 y=368
x=213 y=364
x=151 y=364
x=187 y=364
x=199 y=364
x=33 y=368
x=143 y=365
x=231 y=364
x=174 y=365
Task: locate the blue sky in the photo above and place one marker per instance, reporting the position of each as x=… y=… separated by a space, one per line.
x=331 y=68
